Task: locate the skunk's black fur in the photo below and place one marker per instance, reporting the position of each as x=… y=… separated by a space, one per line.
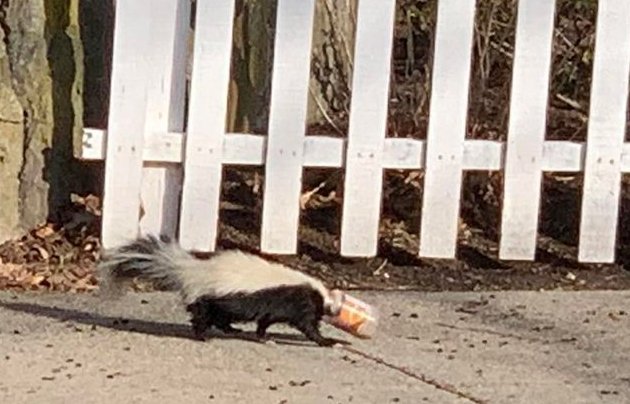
x=298 y=306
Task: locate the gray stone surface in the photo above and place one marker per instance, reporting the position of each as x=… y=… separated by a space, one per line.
x=40 y=109
x=11 y=145
x=516 y=347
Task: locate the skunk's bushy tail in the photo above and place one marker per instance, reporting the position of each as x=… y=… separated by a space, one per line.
x=149 y=258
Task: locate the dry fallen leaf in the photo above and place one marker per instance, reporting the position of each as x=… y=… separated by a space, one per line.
x=93 y=204
x=44 y=231
x=7 y=269
x=42 y=252
x=36 y=280
x=83 y=284
x=79 y=272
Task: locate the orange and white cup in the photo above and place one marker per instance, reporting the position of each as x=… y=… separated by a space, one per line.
x=355 y=317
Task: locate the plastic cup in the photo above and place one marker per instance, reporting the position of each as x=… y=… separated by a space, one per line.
x=355 y=317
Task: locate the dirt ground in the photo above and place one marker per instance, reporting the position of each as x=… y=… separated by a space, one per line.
x=62 y=255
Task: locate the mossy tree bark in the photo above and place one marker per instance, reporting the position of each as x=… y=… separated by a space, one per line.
x=41 y=69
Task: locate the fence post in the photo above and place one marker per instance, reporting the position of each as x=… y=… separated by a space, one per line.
x=166 y=77
x=206 y=125
x=606 y=133
x=368 y=128
x=527 y=128
x=287 y=124
x=447 y=128
x=126 y=125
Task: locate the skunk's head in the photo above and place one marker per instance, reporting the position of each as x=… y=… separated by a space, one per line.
x=333 y=302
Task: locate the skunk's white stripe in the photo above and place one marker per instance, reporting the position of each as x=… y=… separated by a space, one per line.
x=226 y=273
x=235 y=271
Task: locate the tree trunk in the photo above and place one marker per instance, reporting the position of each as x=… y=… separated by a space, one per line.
x=333 y=49
x=332 y=61
x=40 y=110
x=252 y=58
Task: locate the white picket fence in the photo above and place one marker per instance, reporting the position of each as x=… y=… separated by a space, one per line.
x=146 y=151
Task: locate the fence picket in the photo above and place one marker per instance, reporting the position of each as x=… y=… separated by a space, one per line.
x=206 y=125
x=123 y=164
x=527 y=128
x=447 y=128
x=287 y=124
x=161 y=183
x=368 y=126
x=606 y=133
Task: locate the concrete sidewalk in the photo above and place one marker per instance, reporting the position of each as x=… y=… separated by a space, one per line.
x=514 y=347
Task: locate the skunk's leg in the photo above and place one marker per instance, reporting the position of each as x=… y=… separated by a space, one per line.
x=200 y=319
x=199 y=326
x=261 y=329
x=310 y=329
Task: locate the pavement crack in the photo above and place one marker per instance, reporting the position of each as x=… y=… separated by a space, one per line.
x=446 y=387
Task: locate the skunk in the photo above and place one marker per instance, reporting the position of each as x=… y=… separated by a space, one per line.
x=230 y=287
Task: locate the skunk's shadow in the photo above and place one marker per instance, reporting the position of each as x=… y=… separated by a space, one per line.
x=147 y=327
